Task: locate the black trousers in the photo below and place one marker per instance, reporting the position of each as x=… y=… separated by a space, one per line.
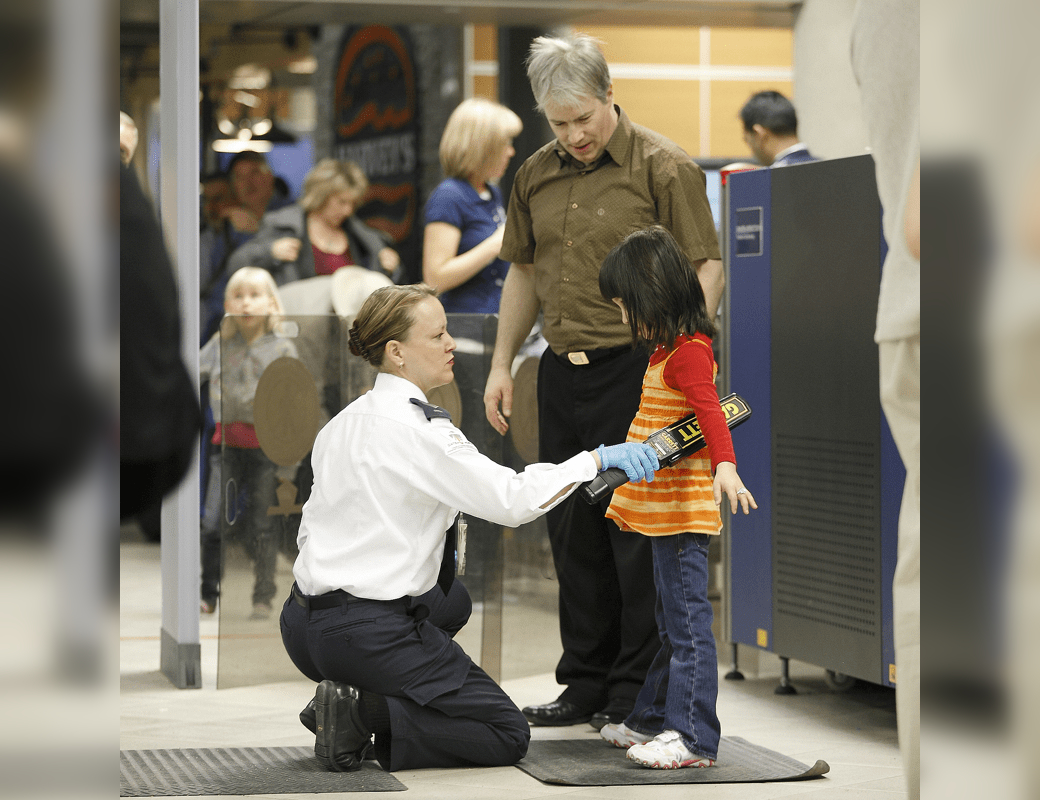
x=607 y=595
x=445 y=711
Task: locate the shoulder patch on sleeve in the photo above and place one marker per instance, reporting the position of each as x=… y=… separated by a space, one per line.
x=457 y=443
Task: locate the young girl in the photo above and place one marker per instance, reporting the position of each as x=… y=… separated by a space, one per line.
x=673 y=723
x=233 y=361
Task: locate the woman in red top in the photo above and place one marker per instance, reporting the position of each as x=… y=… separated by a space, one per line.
x=673 y=723
x=320 y=233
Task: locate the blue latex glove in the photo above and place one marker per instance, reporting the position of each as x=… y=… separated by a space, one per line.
x=638 y=460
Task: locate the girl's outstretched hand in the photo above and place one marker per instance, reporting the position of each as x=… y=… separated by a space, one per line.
x=727 y=480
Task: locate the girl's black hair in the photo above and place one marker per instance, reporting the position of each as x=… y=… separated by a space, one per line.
x=658 y=285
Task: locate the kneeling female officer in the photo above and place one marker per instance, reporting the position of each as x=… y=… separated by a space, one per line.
x=367 y=617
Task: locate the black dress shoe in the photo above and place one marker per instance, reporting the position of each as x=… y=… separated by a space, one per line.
x=340 y=739
x=309 y=716
x=558 y=712
x=616 y=711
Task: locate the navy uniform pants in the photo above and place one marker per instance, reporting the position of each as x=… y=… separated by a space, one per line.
x=445 y=711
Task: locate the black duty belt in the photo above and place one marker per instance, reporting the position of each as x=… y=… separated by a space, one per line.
x=333 y=599
x=337 y=598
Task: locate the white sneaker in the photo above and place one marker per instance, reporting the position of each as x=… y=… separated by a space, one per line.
x=667 y=751
x=620 y=735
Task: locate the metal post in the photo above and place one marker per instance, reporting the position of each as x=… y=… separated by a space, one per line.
x=785 y=687
x=735 y=674
x=726 y=601
x=74 y=175
x=514 y=91
x=181 y=656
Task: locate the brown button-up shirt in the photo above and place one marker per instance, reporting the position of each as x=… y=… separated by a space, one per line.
x=565 y=216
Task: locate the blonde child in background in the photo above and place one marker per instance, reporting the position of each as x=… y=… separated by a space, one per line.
x=673 y=723
x=242 y=479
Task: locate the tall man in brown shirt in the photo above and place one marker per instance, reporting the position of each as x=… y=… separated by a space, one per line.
x=572 y=201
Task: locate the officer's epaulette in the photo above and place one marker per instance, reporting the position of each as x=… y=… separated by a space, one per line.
x=431 y=411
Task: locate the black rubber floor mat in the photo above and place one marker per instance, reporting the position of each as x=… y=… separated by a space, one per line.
x=241 y=770
x=593 y=762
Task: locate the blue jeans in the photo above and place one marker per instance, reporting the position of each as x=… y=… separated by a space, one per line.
x=682 y=685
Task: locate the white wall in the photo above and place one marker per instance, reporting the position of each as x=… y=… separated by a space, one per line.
x=826 y=97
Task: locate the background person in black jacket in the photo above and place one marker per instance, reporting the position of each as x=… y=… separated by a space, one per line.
x=158 y=408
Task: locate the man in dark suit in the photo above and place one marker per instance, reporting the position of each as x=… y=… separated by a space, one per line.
x=771 y=130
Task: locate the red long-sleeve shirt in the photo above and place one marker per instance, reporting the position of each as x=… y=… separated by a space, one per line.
x=691 y=371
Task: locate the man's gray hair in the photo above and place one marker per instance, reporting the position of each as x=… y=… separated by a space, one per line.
x=565 y=71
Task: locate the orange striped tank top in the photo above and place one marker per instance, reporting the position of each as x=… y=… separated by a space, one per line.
x=680 y=498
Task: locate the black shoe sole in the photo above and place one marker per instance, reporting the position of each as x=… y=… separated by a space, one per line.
x=327 y=700
x=557 y=723
x=325 y=724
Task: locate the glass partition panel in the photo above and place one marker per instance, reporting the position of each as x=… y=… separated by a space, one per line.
x=300 y=379
x=464 y=399
x=275 y=396
x=530 y=593
x=513 y=584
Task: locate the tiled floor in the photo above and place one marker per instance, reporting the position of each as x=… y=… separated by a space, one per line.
x=854 y=732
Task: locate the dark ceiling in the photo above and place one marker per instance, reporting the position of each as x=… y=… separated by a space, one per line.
x=547 y=13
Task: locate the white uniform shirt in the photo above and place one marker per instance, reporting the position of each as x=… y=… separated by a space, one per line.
x=388 y=483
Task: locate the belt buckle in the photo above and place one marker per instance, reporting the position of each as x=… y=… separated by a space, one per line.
x=578 y=358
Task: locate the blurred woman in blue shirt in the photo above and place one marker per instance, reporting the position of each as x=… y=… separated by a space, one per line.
x=465 y=216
